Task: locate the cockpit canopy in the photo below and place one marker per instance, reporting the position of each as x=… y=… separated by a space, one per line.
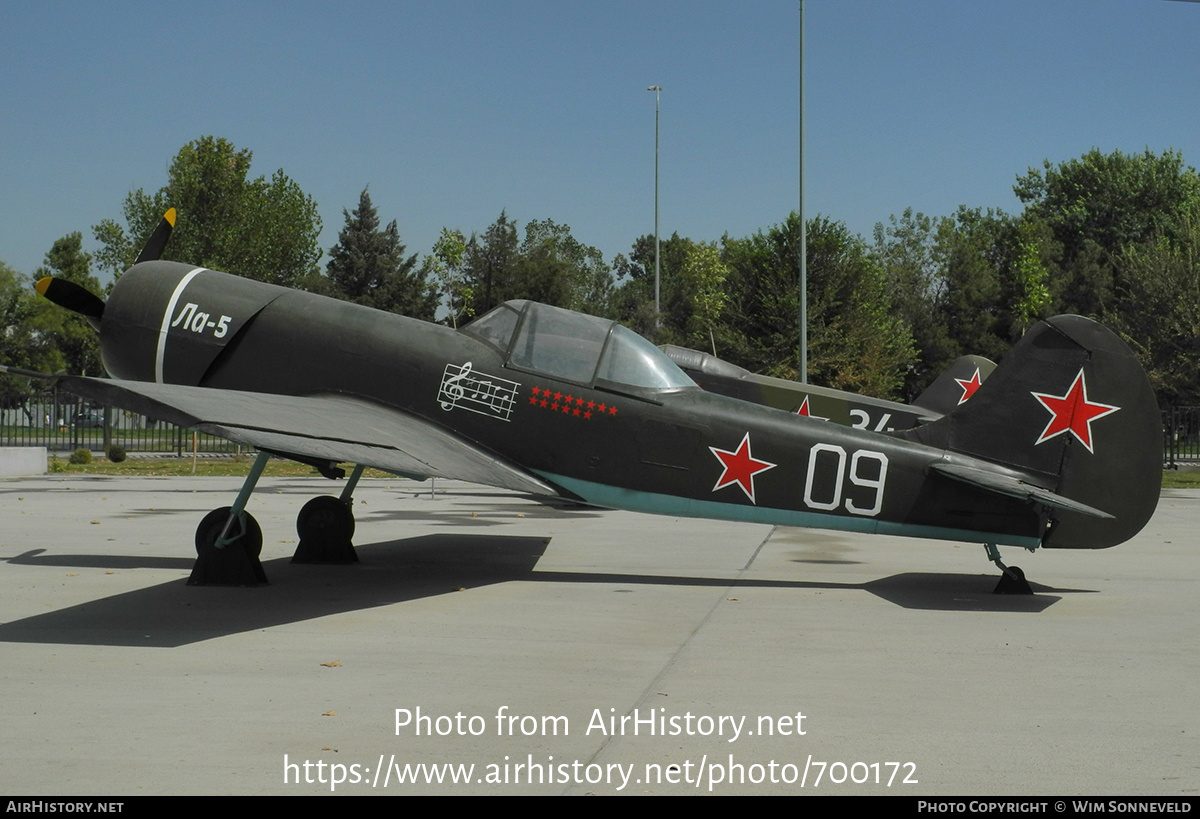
x=575 y=347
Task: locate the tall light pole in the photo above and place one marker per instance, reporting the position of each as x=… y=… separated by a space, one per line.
x=803 y=251
x=657 y=90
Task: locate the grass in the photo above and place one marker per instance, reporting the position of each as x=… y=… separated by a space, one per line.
x=1181 y=479
x=235 y=467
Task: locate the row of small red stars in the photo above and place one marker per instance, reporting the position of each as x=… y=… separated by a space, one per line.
x=568 y=404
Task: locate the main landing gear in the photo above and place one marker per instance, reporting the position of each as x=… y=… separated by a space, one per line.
x=326 y=526
x=229 y=540
x=1013 y=580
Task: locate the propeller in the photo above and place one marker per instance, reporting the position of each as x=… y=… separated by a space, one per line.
x=77 y=299
x=158 y=239
x=65 y=293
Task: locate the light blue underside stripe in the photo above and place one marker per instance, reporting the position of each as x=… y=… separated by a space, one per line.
x=658 y=504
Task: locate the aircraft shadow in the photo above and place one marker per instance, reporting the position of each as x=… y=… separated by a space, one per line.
x=40 y=557
x=929 y=592
x=170 y=614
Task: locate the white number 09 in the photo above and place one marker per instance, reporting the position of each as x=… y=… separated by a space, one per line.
x=855 y=474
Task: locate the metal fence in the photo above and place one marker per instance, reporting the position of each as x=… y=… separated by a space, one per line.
x=1181 y=436
x=63 y=422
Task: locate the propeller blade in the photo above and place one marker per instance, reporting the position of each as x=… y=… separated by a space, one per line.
x=77 y=299
x=158 y=239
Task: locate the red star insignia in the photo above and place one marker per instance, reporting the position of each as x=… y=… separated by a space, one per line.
x=533 y=400
x=536 y=391
x=804 y=410
x=1072 y=412
x=969 y=385
x=740 y=467
x=587 y=414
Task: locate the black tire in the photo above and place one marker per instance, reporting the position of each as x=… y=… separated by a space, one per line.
x=210 y=529
x=325 y=519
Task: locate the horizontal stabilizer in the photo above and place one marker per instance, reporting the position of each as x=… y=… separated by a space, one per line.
x=1015 y=488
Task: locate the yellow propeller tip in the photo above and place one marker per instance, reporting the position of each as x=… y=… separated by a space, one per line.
x=170 y=216
x=43 y=285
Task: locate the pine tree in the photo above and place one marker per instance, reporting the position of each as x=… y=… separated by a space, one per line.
x=368 y=266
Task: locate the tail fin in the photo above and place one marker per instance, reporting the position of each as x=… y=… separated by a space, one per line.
x=1071 y=407
x=954 y=386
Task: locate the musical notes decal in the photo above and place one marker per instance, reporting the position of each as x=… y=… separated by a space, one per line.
x=477 y=392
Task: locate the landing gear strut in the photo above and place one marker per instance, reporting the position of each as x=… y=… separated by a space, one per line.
x=229 y=541
x=1013 y=580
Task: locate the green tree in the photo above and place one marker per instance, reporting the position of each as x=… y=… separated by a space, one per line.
x=969 y=253
x=445 y=267
x=1162 y=324
x=69 y=333
x=1119 y=242
x=26 y=320
x=1096 y=206
x=549 y=265
x=540 y=270
x=368 y=266
x=907 y=251
x=632 y=300
x=488 y=263
x=264 y=229
x=702 y=278
x=1030 y=279
x=855 y=343
x=556 y=268
x=968 y=283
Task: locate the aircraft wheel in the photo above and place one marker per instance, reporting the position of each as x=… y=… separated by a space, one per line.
x=326 y=528
x=210 y=529
x=235 y=565
x=325 y=519
x=1014 y=583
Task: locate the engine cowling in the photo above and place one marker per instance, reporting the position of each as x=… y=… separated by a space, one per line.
x=169 y=322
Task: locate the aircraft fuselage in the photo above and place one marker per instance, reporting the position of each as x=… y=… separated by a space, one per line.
x=680 y=451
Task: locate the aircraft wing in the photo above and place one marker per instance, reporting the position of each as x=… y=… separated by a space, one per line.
x=337 y=428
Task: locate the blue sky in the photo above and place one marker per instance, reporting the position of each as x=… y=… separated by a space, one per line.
x=452 y=111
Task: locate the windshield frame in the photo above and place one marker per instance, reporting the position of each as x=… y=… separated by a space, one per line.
x=585 y=350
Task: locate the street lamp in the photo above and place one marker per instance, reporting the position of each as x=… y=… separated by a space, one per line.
x=657 y=90
x=802 y=261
